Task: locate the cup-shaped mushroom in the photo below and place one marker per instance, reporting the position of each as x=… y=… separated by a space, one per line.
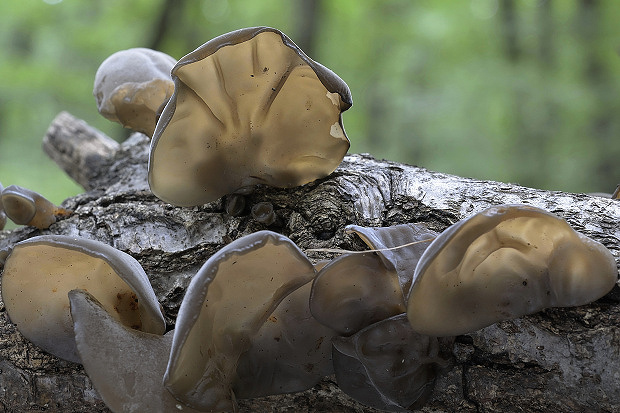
x=234 y=204
x=26 y=207
x=290 y=353
x=126 y=366
x=503 y=263
x=249 y=107
x=399 y=246
x=39 y=273
x=388 y=366
x=226 y=303
x=354 y=291
x=132 y=86
x=263 y=213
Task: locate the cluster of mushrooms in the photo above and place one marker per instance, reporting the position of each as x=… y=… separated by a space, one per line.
x=259 y=318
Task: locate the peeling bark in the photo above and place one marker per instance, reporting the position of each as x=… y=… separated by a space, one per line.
x=558 y=360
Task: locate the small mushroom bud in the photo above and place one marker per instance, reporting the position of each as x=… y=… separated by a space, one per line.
x=235 y=204
x=26 y=207
x=263 y=213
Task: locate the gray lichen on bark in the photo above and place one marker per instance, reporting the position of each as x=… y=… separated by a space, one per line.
x=559 y=360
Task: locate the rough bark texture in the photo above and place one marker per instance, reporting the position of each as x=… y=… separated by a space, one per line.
x=560 y=360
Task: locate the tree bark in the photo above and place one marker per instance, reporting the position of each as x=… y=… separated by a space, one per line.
x=559 y=360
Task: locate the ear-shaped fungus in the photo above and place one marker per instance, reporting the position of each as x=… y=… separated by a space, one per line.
x=126 y=366
x=132 y=86
x=291 y=352
x=502 y=263
x=399 y=246
x=354 y=291
x=388 y=366
x=26 y=207
x=39 y=273
x=249 y=107
x=226 y=303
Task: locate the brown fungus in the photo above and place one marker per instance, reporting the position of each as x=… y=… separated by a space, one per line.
x=26 y=207
x=132 y=86
x=226 y=304
x=234 y=204
x=502 y=263
x=126 y=366
x=291 y=352
x=388 y=366
x=354 y=291
x=399 y=246
x=263 y=213
x=40 y=271
x=249 y=107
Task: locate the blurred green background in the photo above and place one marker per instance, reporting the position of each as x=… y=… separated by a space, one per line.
x=521 y=91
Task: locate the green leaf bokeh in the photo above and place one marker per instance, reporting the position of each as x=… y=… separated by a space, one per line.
x=516 y=91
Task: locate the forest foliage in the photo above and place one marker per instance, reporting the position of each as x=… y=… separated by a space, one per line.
x=508 y=90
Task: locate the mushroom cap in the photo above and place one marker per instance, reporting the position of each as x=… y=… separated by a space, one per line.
x=26 y=207
x=249 y=107
x=399 y=246
x=226 y=304
x=126 y=366
x=19 y=204
x=290 y=353
x=354 y=291
x=39 y=273
x=131 y=86
x=502 y=263
x=387 y=365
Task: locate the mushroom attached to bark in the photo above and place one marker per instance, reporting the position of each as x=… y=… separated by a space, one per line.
x=503 y=263
x=388 y=366
x=132 y=86
x=225 y=305
x=399 y=246
x=249 y=107
x=354 y=291
x=40 y=271
x=263 y=213
x=126 y=366
x=26 y=207
x=290 y=353
x=234 y=204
